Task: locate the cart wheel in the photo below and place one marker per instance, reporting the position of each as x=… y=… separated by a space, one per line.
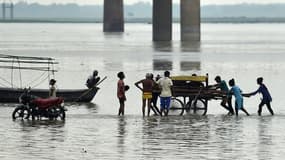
x=176 y=107
x=196 y=107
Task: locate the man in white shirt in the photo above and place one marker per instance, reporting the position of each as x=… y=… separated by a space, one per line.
x=166 y=93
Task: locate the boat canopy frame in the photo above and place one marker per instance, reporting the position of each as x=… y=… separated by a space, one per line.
x=41 y=64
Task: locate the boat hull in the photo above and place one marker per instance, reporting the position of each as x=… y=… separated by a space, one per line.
x=11 y=95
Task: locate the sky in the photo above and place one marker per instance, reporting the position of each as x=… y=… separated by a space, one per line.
x=203 y=2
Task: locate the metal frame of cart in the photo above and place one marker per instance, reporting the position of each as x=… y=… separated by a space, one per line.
x=190 y=98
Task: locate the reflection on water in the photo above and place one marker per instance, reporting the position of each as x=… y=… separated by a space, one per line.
x=121 y=135
x=38 y=124
x=162 y=65
x=134 y=137
x=94 y=131
x=264 y=138
x=114 y=34
x=190 y=46
x=190 y=66
x=75 y=109
x=118 y=65
x=163 y=46
x=36 y=139
x=163 y=58
x=189 y=58
x=90 y=105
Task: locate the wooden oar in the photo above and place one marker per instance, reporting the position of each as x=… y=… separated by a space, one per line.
x=100 y=81
x=90 y=89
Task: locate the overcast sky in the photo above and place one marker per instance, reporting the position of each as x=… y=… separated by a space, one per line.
x=204 y=2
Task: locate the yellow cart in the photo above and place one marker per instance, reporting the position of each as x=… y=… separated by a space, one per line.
x=191 y=94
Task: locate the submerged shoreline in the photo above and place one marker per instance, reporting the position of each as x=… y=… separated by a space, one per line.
x=146 y=20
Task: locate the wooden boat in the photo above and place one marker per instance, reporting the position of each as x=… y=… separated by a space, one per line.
x=11 y=95
x=41 y=64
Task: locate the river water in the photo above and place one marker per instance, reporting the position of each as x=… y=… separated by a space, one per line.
x=94 y=131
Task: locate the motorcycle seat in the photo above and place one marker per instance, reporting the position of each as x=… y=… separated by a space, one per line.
x=47 y=102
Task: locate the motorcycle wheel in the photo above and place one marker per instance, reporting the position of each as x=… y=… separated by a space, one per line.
x=59 y=112
x=51 y=113
x=62 y=114
x=21 y=112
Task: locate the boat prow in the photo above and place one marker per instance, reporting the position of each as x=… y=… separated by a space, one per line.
x=11 y=95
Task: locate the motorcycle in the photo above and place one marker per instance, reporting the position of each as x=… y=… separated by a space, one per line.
x=37 y=107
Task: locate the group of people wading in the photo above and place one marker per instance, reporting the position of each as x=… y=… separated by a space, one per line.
x=237 y=93
x=152 y=88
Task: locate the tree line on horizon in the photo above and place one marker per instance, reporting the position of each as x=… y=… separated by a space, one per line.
x=144 y=10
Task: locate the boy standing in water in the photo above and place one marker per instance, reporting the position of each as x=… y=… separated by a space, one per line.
x=52 y=88
x=222 y=85
x=235 y=90
x=266 y=97
x=155 y=94
x=147 y=85
x=165 y=84
x=121 y=93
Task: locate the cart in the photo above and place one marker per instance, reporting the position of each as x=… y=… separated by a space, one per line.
x=191 y=94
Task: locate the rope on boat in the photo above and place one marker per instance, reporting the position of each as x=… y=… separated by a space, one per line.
x=36 y=79
x=40 y=82
x=4 y=85
x=25 y=57
x=16 y=64
x=12 y=72
x=6 y=82
x=20 y=72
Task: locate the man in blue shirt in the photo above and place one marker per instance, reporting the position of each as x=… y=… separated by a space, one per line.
x=266 y=97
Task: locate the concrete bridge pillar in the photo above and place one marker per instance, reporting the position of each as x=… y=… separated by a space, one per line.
x=190 y=20
x=113 y=16
x=12 y=11
x=3 y=11
x=9 y=7
x=162 y=20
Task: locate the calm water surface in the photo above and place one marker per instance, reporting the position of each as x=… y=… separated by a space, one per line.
x=94 y=131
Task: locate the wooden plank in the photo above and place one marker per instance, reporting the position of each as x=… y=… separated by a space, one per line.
x=30 y=68
x=25 y=57
x=205 y=93
x=25 y=61
x=189 y=78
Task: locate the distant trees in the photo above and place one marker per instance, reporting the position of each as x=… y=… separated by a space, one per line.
x=144 y=10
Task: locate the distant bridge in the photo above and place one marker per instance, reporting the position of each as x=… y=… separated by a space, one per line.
x=161 y=23
x=162 y=19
